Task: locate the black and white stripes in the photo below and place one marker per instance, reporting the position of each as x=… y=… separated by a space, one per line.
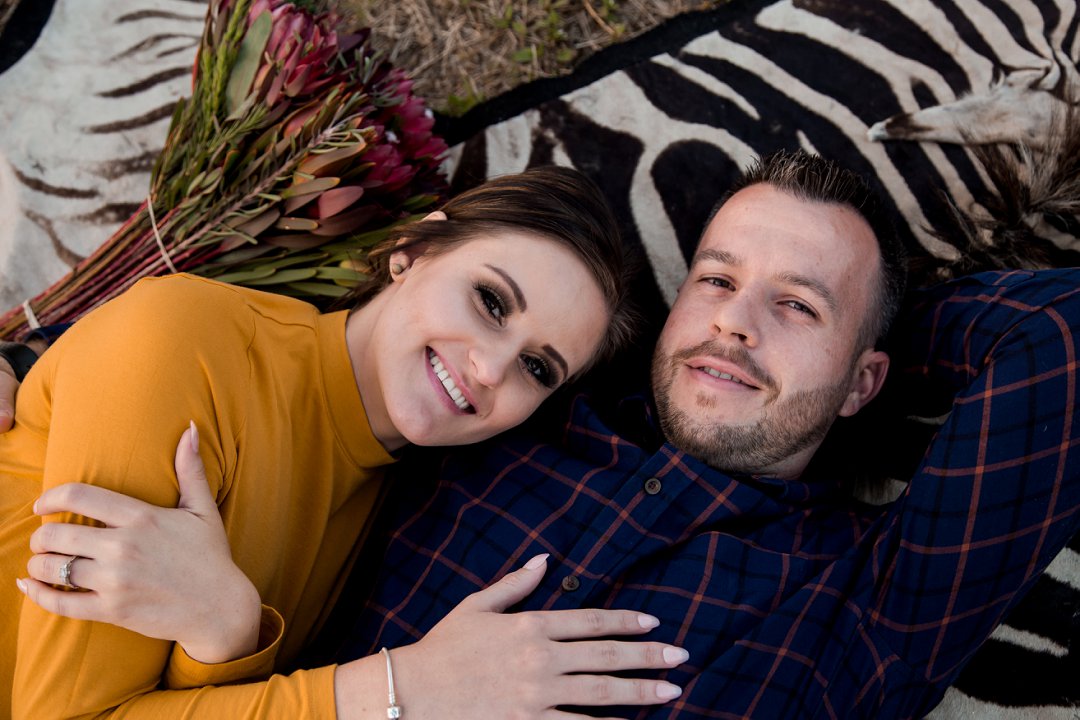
x=84 y=114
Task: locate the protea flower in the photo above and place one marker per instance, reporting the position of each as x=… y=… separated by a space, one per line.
x=296 y=151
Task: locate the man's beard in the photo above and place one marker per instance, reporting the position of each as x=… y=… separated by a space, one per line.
x=788 y=426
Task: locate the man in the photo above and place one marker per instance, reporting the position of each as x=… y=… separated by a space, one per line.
x=793 y=599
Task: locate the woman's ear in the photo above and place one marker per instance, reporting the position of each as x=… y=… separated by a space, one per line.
x=403 y=259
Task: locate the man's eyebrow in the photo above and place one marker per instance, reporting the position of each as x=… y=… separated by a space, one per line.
x=720 y=256
x=816 y=286
x=559 y=359
x=519 y=297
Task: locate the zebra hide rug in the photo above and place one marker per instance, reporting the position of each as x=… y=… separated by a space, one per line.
x=662 y=123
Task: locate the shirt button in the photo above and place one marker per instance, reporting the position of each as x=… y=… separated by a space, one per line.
x=653 y=486
x=570 y=583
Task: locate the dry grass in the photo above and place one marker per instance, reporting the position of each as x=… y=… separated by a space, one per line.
x=463 y=51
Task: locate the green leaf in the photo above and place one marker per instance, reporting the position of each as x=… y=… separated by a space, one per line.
x=246 y=276
x=315 y=288
x=338 y=273
x=523 y=56
x=311 y=186
x=284 y=276
x=247 y=62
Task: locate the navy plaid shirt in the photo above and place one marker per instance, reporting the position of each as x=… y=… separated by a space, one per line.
x=792 y=599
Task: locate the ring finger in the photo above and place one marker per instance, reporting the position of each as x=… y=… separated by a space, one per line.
x=45 y=567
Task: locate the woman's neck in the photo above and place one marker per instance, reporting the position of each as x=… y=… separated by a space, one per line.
x=359 y=328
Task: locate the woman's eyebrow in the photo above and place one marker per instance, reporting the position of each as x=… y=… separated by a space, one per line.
x=519 y=297
x=558 y=358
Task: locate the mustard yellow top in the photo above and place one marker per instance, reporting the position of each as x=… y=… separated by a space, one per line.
x=289 y=456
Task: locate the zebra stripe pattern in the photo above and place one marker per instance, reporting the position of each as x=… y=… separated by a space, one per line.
x=85 y=113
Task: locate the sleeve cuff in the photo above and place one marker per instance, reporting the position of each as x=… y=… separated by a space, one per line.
x=183 y=672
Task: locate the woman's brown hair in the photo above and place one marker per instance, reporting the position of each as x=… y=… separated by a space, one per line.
x=556 y=203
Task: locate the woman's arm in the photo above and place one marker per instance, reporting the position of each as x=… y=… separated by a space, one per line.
x=126 y=569
x=518 y=665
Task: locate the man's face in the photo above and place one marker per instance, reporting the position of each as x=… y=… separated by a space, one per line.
x=759 y=354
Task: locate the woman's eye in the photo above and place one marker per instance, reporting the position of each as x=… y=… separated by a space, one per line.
x=796 y=305
x=493 y=302
x=538 y=369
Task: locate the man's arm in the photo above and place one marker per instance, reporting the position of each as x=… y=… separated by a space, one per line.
x=997 y=494
x=16 y=359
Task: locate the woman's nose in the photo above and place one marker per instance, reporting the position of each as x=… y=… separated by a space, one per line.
x=490 y=364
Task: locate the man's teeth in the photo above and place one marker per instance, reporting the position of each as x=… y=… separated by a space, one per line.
x=447 y=382
x=722 y=375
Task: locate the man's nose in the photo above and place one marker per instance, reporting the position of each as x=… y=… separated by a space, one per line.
x=735 y=316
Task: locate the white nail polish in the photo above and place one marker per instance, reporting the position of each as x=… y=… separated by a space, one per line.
x=648 y=621
x=667 y=691
x=536 y=562
x=673 y=655
x=21 y=585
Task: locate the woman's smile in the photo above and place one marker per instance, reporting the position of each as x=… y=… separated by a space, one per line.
x=447 y=387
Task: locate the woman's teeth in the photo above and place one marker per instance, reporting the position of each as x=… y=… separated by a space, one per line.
x=447 y=382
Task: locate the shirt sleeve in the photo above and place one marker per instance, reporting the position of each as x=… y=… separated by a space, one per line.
x=123 y=384
x=185 y=672
x=997 y=494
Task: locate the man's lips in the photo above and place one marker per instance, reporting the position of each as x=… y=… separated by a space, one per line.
x=722 y=371
x=726 y=363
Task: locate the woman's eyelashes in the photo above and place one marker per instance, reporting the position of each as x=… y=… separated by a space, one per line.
x=539 y=370
x=492 y=301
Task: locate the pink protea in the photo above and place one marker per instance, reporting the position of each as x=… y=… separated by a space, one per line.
x=296 y=150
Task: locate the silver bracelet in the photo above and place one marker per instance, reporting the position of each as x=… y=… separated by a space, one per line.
x=394 y=710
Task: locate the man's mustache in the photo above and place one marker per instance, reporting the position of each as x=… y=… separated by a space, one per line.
x=731 y=353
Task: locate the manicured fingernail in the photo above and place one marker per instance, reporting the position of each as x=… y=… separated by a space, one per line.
x=194 y=437
x=537 y=562
x=667 y=691
x=35 y=506
x=648 y=621
x=21 y=584
x=674 y=656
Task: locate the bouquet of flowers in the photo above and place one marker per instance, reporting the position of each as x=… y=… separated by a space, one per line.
x=297 y=150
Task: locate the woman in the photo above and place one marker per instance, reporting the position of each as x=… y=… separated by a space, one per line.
x=486 y=307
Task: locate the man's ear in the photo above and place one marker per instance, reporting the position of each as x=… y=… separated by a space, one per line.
x=870 y=371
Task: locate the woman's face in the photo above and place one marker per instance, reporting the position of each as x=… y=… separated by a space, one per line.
x=468 y=342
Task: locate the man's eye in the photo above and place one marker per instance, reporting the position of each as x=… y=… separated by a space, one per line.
x=493 y=302
x=539 y=369
x=719 y=282
x=796 y=305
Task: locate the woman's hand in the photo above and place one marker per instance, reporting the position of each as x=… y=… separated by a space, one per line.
x=161 y=572
x=479 y=661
